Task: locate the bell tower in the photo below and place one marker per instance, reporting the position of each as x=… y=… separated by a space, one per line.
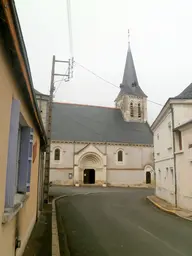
x=131 y=99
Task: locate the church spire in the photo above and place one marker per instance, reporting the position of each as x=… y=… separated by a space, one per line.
x=130 y=83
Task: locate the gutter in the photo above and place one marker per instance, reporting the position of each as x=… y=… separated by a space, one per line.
x=174 y=156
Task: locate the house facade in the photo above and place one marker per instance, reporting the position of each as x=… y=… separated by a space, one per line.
x=22 y=139
x=172 y=150
x=101 y=145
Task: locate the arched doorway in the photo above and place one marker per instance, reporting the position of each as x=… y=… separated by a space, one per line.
x=90 y=166
x=149 y=174
x=148 y=177
x=89 y=176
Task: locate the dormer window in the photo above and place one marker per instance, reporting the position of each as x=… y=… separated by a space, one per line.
x=139 y=110
x=131 y=110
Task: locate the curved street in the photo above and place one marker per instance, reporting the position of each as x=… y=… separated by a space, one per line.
x=118 y=222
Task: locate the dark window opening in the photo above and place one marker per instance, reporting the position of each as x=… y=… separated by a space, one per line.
x=89 y=176
x=131 y=109
x=148 y=177
x=120 y=156
x=139 y=110
x=57 y=154
x=179 y=136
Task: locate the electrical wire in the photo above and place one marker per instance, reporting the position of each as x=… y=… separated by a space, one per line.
x=70 y=28
x=103 y=79
x=63 y=79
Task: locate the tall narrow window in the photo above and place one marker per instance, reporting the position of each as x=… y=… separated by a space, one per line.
x=139 y=110
x=131 y=109
x=57 y=154
x=120 y=156
x=179 y=136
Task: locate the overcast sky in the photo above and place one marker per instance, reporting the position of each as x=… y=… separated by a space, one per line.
x=161 y=43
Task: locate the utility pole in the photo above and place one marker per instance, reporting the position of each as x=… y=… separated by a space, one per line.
x=49 y=120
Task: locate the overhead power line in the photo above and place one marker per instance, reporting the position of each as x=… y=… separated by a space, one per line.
x=70 y=28
x=96 y=75
x=103 y=79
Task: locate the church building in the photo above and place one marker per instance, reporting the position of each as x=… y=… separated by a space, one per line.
x=102 y=145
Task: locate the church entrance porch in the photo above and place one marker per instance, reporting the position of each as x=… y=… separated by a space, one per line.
x=89 y=176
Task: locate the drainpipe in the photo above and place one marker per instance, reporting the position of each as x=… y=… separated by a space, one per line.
x=174 y=156
x=73 y=161
x=106 y=163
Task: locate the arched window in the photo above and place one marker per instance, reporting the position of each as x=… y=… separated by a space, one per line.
x=57 y=154
x=131 y=109
x=120 y=156
x=139 y=110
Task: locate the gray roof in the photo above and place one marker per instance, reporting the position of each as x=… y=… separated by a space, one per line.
x=72 y=122
x=37 y=92
x=186 y=93
x=130 y=84
x=40 y=93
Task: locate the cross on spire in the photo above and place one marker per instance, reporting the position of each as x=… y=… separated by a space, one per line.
x=128 y=36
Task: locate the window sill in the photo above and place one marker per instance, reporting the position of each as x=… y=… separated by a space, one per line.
x=9 y=213
x=179 y=152
x=119 y=163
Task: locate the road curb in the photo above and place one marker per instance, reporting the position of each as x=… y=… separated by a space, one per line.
x=173 y=212
x=161 y=207
x=55 y=234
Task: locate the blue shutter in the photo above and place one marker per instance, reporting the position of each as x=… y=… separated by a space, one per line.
x=25 y=159
x=12 y=155
x=30 y=160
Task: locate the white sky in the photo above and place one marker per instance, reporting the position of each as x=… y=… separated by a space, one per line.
x=161 y=43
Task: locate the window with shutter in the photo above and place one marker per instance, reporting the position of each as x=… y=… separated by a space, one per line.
x=25 y=160
x=12 y=154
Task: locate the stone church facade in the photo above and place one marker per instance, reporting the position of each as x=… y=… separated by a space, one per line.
x=102 y=145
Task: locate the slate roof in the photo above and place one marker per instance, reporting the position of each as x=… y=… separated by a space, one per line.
x=40 y=93
x=186 y=93
x=130 y=84
x=72 y=122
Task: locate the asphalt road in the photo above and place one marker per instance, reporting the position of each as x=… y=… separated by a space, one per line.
x=118 y=222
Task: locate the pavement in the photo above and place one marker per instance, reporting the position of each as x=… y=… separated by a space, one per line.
x=39 y=243
x=118 y=222
x=167 y=207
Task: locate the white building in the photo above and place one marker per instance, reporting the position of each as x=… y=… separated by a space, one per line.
x=102 y=145
x=172 y=150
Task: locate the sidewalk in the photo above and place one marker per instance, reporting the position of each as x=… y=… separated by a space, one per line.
x=40 y=241
x=169 y=208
